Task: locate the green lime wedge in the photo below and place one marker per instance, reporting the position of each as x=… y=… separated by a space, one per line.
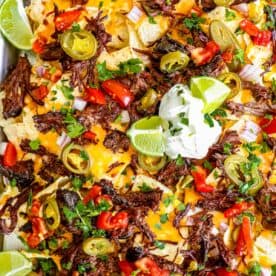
x=212 y=91
x=146 y=136
x=14 y=263
x=14 y=24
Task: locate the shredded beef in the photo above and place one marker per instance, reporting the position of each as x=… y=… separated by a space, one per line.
x=257 y=109
x=271 y=141
x=22 y=172
x=52 y=51
x=180 y=215
x=167 y=265
x=266 y=199
x=219 y=200
x=171 y=173
x=16 y=86
x=99 y=114
x=25 y=146
x=48 y=121
x=67 y=198
x=96 y=26
x=213 y=68
x=52 y=167
x=206 y=248
x=155 y=7
x=259 y=92
x=11 y=207
x=117 y=141
x=206 y=5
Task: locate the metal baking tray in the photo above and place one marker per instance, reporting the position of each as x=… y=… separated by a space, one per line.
x=8 y=57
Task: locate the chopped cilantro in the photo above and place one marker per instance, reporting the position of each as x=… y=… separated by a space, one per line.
x=179 y=160
x=207 y=165
x=181 y=207
x=219 y=113
x=67 y=91
x=158 y=226
x=77 y=182
x=247 y=214
x=34 y=144
x=159 y=244
x=239 y=55
x=53 y=243
x=229 y=15
x=13 y=182
x=184 y=121
x=227 y=148
x=145 y=188
x=151 y=20
x=208 y=120
x=46 y=265
x=74 y=128
x=135 y=272
x=84 y=155
x=75 y=27
x=193 y=22
x=83 y=267
x=30 y=199
x=273 y=270
x=164 y=218
x=103 y=72
x=65 y=244
x=168 y=200
x=67 y=266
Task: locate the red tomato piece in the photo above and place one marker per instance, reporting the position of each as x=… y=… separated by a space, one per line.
x=39 y=45
x=33 y=240
x=89 y=135
x=40 y=92
x=247 y=26
x=118 y=91
x=10 y=155
x=101 y=198
x=148 y=265
x=94 y=192
x=65 y=20
x=262 y=38
x=223 y=272
x=35 y=208
x=268 y=126
x=227 y=56
x=107 y=221
x=126 y=267
x=94 y=95
x=237 y=209
x=199 y=174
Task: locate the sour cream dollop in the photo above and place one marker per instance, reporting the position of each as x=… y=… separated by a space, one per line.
x=188 y=135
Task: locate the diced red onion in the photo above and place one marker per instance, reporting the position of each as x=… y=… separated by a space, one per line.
x=251 y=72
x=266 y=271
x=63 y=139
x=135 y=14
x=79 y=104
x=125 y=117
x=242 y=8
x=250 y=131
x=40 y=70
x=3 y=146
x=223 y=227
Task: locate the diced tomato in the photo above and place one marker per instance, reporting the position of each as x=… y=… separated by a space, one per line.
x=202 y=56
x=237 y=209
x=199 y=174
x=223 y=272
x=94 y=192
x=38 y=225
x=107 y=221
x=227 y=56
x=10 y=155
x=40 y=92
x=34 y=211
x=268 y=126
x=262 y=38
x=196 y=10
x=118 y=91
x=39 y=45
x=148 y=265
x=94 y=95
x=89 y=135
x=65 y=20
x=126 y=267
x=101 y=198
x=56 y=76
x=247 y=26
x=244 y=244
x=33 y=240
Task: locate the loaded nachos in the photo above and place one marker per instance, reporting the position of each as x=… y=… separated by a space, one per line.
x=140 y=139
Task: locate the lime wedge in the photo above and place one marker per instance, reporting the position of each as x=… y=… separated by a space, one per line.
x=146 y=136
x=212 y=91
x=14 y=263
x=14 y=24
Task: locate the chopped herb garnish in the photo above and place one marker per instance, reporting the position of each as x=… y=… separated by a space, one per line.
x=239 y=55
x=164 y=218
x=13 y=182
x=179 y=160
x=168 y=200
x=34 y=144
x=75 y=27
x=67 y=91
x=227 y=148
x=84 y=155
x=158 y=226
x=77 y=182
x=229 y=15
x=193 y=22
x=207 y=165
x=159 y=244
x=46 y=265
x=74 y=128
x=181 y=207
x=152 y=20
x=219 y=113
x=145 y=188
x=208 y=120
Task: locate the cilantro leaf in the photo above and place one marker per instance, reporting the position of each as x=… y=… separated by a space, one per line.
x=193 y=22
x=103 y=72
x=34 y=144
x=164 y=218
x=229 y=15
x=239 y=55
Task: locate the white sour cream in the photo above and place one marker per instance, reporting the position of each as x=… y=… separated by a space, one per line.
x=192 y=138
